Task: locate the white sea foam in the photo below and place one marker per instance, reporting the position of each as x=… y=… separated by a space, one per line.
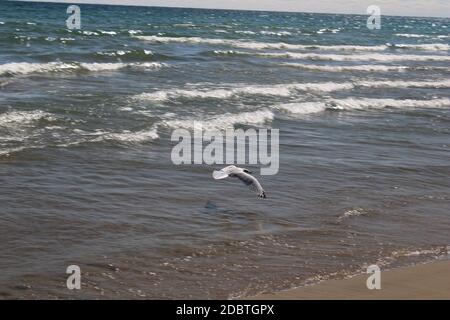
x=245 y=32
x=352 y=213
x=340 y=57
x=303 y=108
x=112 y=33
x=256 y=118
x=119 y=65
x=438 y=251
x=123 y=52
x=26 y=67
x=123 y=136
x=102 y=66
x=412 y=35
x=426 y=47
x=361 y=68
x=130 y=136
x=328 y=68
x=405 y=84
x=89 y=33
x=283 y=90
x=7 y=152
x=133 y=32
x=255 y=45
x=278 y=34
x=21 y=118
x=23 y=68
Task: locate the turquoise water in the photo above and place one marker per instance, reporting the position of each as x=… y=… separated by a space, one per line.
x=86 y=178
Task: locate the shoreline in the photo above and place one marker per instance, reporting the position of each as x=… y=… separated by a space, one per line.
x=427 y=281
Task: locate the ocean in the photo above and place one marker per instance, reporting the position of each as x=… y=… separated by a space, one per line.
x=86 y=176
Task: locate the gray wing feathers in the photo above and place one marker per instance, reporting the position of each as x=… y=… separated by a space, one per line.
x=251 y=182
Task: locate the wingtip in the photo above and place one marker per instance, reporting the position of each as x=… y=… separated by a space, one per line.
x=219 y=175
x=263 y=195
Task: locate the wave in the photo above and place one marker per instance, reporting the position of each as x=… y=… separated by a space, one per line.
x=111 y=33
x=437 y=252
x=21 y=118
x=413 y=35
x=129 y=136
x=282 y=90
x=426 y=47
x=14 y=68
x=278 y=34
x=362 y=68
x=255 y=45
x=337 y=57
x=356 y=212
x=248 y=32
x=24 y=68
x=133 y=32
x=18 y=125
x=28 y=141
x=227 y=120
x=119 y=65
x=303 y=108
x=404 y=84
x=123 y=136
x=127 y=53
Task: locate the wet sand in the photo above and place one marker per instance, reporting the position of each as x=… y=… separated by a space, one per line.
x=426 y=281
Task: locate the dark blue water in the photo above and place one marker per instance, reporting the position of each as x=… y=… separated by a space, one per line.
x=85 y=171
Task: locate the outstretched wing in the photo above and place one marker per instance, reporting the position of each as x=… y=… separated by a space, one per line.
x=218 y=175
x=224 y=173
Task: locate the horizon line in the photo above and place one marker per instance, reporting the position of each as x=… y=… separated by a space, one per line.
x=222 y=9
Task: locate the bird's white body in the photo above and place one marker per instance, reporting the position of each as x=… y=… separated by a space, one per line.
x=243 y=175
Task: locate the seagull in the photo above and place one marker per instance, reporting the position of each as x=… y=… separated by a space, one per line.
x=242 y=174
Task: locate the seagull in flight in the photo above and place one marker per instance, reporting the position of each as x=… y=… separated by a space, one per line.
x=242 y=174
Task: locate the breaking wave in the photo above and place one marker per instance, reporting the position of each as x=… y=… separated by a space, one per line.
x=130 y=136
x=21 y=118
x=284 y=90
x=337 y=57
x=256 y=118
x=303 y=108
x=255 y=45
x=362 y=68
x=281 y=90
x=24 y=68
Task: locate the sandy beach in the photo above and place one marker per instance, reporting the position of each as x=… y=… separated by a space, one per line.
x=430 y=281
